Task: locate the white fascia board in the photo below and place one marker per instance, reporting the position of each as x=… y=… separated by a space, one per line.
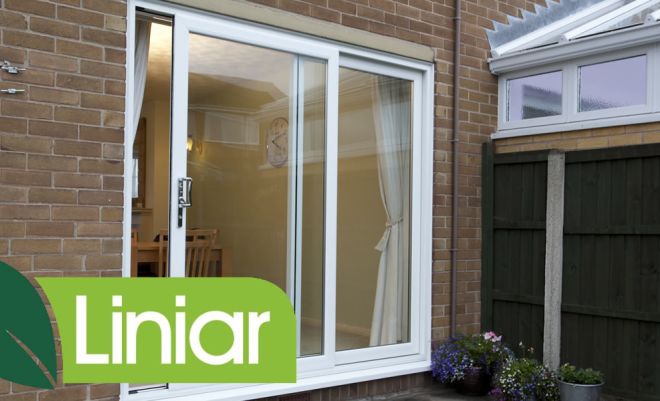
x=612 y=17
x=653 y=17
x=533 y=38
x=613 y=41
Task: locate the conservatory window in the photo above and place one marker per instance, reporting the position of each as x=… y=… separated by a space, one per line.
x=535 y=96
x=612 y=84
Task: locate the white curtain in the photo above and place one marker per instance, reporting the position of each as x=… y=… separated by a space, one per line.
x=142 y=34
x=392 y=108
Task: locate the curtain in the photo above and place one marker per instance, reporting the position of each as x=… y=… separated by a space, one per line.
x=392 y=110
x=142 y=34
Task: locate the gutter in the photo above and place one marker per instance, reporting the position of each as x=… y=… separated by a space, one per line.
x=454 y=197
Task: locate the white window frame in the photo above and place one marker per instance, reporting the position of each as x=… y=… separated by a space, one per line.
x=333 y=368
x=571 y=119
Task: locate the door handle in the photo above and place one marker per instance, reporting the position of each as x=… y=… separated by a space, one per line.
x=184 y=198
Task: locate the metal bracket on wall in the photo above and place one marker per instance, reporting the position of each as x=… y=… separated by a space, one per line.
x=11 y=69
x=12 y=91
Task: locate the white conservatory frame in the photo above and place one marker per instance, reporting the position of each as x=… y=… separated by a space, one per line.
x=520 y=58
x=333 y=368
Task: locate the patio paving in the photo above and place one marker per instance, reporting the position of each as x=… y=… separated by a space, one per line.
x=439 y=394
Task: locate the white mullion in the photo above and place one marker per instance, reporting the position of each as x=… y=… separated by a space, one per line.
x=299 y=166
x=178 y=152
x=291 y=198
x=330 y=246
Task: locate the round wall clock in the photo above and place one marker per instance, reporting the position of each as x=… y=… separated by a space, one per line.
x=277 y=142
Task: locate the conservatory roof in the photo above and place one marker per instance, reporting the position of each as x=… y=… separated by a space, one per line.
x=572 y=28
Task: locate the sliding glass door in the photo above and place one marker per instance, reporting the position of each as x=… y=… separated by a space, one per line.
x=300 y=162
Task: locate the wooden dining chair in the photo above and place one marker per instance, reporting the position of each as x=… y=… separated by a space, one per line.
x=199 y=243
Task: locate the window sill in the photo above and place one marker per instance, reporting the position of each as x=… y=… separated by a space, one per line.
x=318 y=381
x=577 y=125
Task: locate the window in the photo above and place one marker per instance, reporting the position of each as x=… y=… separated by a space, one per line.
x=613 y=84
x=312 y=167
x=535 y=96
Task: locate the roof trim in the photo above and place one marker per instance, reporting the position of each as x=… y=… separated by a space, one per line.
x=311 y=26
x=608 y=42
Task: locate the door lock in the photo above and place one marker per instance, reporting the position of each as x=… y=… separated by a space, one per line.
x=184 y=197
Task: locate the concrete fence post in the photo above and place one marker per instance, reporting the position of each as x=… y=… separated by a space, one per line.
x=554 y=259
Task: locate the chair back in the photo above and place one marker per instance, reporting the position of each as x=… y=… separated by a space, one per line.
x=199 y=243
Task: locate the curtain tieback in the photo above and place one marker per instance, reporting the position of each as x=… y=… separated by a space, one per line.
x=382 y=244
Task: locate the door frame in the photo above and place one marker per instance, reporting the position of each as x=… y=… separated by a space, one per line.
x=332 y=368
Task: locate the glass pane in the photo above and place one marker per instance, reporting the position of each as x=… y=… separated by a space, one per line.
x=535 y=96
x=613 y=84
x=151 y=149
x=258 y=176
x=373 y=216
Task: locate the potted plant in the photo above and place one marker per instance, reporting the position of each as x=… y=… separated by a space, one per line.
x=525 y=379
x=580 y=384
x=468 y=362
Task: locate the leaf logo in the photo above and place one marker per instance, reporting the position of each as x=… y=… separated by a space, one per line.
x=24 y=328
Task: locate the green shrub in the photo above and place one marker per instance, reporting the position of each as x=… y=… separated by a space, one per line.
x=570 y=374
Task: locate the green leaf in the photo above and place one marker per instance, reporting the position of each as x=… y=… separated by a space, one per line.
x=23 y=317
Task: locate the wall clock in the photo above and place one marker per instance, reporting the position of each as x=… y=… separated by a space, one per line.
x=277 y=142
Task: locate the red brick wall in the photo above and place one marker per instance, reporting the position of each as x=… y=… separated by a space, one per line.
x=61 y=142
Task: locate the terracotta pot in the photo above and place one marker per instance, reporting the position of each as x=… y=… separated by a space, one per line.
x=475 y=382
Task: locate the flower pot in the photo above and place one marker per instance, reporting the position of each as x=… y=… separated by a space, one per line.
x=579 y=392
x=475 y=382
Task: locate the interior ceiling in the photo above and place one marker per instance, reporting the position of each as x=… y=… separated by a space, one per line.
x=223 y=74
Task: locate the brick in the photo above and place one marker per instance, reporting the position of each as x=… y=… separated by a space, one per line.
x=12 y=160
x=115 y=56
x=52 y=62
x=32 y=76
x=103 y=102
x=9 y=19
x=100 y=198
x=102 y=70
x=98 y=391
x=113 y=183
x=52 y=196
x=101 y=166
x=12 y=229
x=98 y=229
x=112 y=151
x=106 y=6
x=35 y=7
x=49 y=95
x=113 y=119
x=51 y=129
x=115 y=88
x=25 y=178
x=28 y=40
x=78 y=49
x=77 y=148
x=76 y=115
x=101 y=134
x=81 y=246
x=26 y=109
x=54 y=28
x=35 y=246
x=112 y=214
x=23 y=212
x=104 y=262
x=50 y=229
x=112 y=246
x=75 y=213
x=20 y=263
x=52 y=163
x=89 y=181
x=115 y=23
x=79 y=16
x=102 y=37
x=60 y=262
x=13 y=125
x=79 y=82
x=14 y=55
x=13 y=194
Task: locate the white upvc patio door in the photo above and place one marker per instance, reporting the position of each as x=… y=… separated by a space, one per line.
x=306 y=62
